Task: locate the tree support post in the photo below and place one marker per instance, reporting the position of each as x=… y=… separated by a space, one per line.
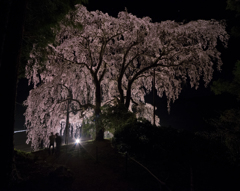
x=154 y=96
x=67 y=123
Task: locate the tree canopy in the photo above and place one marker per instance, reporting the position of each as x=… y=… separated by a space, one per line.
x=111 y=61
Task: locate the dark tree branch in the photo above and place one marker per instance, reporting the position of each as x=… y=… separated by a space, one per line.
x=103 y=73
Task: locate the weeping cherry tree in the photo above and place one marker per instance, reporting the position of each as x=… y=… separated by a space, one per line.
x=111 y=60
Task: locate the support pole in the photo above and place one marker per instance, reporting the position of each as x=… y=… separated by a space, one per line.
x=67 y=123
x=154 y=96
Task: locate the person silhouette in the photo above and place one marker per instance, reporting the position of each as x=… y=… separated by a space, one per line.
x=58 y=143
x=52 y=139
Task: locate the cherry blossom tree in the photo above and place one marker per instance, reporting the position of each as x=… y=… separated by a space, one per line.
x=111 y=61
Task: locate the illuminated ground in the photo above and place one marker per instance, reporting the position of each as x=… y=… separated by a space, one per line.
x=96 y=166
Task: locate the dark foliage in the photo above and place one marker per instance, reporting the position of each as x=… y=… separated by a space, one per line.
x=41 y=17
x=171 y=154
x=114 y=117
x=32 y=173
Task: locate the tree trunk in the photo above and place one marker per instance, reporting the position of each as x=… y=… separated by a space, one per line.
x=98 y=122
x=120 y=88
x=9 y=64
x=128 y=98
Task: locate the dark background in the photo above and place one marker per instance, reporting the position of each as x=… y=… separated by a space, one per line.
x=194 y=107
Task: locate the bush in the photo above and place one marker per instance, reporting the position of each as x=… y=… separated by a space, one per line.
x=115 y=117
x=135 y=137
x=144 y=140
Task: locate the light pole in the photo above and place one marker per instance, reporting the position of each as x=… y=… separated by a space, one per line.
x=154 y=96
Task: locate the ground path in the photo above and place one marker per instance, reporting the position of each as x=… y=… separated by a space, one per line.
x=96 y=166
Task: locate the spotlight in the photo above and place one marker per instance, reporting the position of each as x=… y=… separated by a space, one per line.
x=77 y=141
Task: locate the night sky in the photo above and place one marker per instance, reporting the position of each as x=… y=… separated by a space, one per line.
x=193 y=105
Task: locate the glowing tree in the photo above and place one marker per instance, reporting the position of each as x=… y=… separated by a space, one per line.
x=111 y=59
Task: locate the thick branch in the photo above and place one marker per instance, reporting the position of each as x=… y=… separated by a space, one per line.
x=85 y=106
x=73 y=62
x=103 y=73
x=100 y=57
